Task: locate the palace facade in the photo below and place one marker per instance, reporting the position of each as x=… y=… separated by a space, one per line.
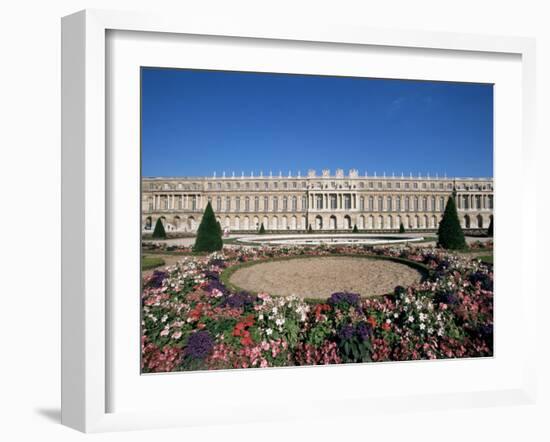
x=326 y=202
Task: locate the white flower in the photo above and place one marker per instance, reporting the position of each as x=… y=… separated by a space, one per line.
x=422 y=326
x=164 y=318
x=422 y=316
x=395 y=315
x=410 y=319
x=268 y=332
x=261 y=317
x=388 y=321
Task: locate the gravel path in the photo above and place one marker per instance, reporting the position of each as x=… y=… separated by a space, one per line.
x=320 y=277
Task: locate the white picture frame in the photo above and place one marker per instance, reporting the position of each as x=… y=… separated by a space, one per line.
x=85 y=202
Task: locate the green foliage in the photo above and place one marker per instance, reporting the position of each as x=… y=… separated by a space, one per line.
x=490 y=229
x=450 y=235
x=159 y=232
x=310 y=229
x=355 y=229
x=150 y=262
x=209 y=238
x=219 y=228
x=401 y=228
x=262 y=229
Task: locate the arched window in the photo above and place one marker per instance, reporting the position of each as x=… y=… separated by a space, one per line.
x=247 y=206
x=398 y=204
x=361 y=202
x=407 y=204
x=228 y=204
x=285 y=204
x=275 y=204
x=238 y=204
x=371 y=203
x=433 y=204
x=389 y=204
x=266 y=203
x=380 y=204
x=218 y=204
x=304 y=203
x=294 y=205
x=256 y=204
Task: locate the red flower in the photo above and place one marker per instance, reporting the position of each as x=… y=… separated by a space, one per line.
x=372 y=321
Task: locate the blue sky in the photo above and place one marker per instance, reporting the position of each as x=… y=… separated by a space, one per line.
x=197 y=122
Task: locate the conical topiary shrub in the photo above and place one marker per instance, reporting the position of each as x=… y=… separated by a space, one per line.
x=450 y=234
x=310 y=229
x=262 y=229
x=490 y=229
x=401 y=228
x=159 y=232
x=355 y=229
x=209 y=238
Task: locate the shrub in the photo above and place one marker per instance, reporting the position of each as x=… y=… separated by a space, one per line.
x=401 y=228
x=450 y=234
x=262 y=229
x=159 y=232
x=355 y=229
x=209 y=238
x=490 y=229
x=310 y=229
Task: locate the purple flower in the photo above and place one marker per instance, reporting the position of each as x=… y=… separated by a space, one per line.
x=157 y=278
x=215 y=284
x=363 y=330
x=485 y=280
x=241 y=299
x=344 y=298
x=346 y=332
x=199 y=345
x=446 y=298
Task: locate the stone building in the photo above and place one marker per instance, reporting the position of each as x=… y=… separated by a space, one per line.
x=327 y=202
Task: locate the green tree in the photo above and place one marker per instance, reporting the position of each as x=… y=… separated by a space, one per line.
x=450 y=234
x=355 y=229
x=262 y=229
x=209 y=238
x=219 y=228
x=490 y=229
x=159 y=232
x=401 y=228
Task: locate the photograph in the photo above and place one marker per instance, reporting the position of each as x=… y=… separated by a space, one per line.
x=295 y=220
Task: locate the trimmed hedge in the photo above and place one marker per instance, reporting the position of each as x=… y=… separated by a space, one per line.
x=159 y=232
x=450 y=235
x=209 y=238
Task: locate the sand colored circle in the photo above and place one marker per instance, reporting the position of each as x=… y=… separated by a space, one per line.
x=319 y=277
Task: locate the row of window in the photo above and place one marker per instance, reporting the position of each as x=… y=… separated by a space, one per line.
x=319 y=185
x=423 y=204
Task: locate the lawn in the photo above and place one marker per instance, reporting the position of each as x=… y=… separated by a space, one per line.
x=150 y=262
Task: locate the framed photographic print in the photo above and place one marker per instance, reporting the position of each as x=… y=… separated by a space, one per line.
x=304 y=217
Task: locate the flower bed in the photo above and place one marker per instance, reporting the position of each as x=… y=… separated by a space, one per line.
x=192 y=321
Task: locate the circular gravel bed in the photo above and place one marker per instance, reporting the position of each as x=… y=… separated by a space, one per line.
x=319 y=277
